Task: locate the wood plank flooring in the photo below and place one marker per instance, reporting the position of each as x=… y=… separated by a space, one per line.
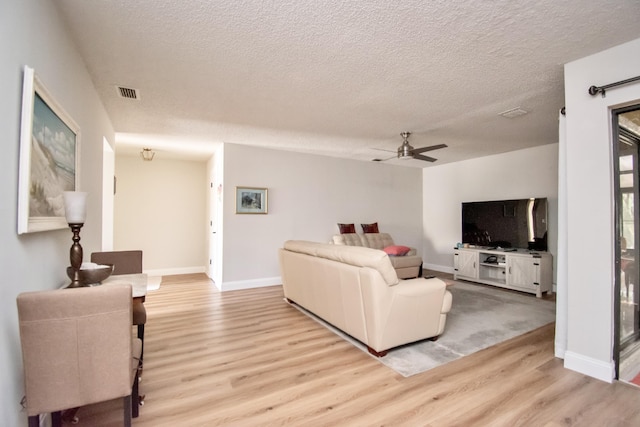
x=246 y=358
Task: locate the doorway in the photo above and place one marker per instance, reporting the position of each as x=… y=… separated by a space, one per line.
x=626 y=142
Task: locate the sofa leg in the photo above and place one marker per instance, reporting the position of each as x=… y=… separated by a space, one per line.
x=434 y=339
x=377 y=353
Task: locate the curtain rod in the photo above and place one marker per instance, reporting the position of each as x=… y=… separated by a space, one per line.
x=594 y=90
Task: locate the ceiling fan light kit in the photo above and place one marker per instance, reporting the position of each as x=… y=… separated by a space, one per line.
x=405 y=151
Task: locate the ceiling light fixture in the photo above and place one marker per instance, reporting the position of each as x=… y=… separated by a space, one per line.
x=147 y=154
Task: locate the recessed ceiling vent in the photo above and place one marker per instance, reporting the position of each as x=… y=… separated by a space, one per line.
x=128 y=93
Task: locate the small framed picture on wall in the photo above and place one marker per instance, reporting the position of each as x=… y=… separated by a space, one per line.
x=251 y=200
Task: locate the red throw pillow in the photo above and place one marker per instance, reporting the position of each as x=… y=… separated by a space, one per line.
x=370 y=228
x=347 y=228
x=396 y=250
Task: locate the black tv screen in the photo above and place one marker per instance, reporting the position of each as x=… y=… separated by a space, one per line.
x=520 y=224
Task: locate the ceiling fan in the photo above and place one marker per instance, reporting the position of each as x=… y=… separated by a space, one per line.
x=406 y=151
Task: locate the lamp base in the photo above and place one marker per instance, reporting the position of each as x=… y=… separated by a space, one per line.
x=75 y=256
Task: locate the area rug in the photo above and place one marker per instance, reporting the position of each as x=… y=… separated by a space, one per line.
x=480 y=316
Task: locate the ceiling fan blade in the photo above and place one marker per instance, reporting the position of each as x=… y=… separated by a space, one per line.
x=383 y=149
x=430 y=148
x=385 y=159
x=425 y=158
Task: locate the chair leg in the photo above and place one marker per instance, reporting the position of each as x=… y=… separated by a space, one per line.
x=127 y=410
x=135 y=396
x=34 y=421
x=56 y=419
x=70 y=415
x=141 y=336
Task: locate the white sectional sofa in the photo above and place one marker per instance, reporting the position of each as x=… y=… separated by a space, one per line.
x=357 y=290
x=407 y=266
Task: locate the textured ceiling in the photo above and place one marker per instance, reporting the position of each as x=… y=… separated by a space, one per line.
x=340 y=78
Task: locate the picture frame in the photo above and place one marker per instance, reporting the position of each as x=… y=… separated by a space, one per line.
x=252 y=200
x=49 y=147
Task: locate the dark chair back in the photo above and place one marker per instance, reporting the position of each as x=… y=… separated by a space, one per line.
x=124 y=262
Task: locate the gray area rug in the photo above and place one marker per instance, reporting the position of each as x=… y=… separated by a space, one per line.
x=480 y=316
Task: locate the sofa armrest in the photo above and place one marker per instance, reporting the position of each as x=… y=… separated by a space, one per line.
x=407 y=266
x=409 y=311
x=405 y=261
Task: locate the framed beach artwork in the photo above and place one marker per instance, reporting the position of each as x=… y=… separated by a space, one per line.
x=49 y=142
x=251 y=200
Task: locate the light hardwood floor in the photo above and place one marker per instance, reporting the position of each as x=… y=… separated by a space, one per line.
x=246 y=358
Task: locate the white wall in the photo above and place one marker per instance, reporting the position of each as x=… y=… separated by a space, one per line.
x=161 y=208
x=308 y=196
x=590 y=204
x=519 y=174
x=31 y=33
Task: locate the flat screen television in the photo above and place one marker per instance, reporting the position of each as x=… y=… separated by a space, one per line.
x=519 y=224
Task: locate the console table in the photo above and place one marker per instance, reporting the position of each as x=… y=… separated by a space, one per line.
x=517 y=269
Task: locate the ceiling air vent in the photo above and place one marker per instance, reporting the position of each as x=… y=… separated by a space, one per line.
x=128 y=93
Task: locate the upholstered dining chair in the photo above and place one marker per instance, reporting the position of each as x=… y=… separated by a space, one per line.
x=126 y=262
x=78 y=349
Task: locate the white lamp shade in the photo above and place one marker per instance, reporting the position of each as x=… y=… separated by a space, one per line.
x=75 y=206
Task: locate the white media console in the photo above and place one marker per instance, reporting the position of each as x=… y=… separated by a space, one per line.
x=518 y=269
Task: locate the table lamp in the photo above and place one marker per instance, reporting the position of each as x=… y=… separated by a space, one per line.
x=75 y=208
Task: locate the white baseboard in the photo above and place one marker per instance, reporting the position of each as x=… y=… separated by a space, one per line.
x=248 y=284
x=597 y=369
x=436 y=267
x=559 y=350
x=173 y=271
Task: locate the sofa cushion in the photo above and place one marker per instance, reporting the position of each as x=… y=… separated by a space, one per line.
x=346 y=228
x=348 y=239
x=370 y=228
x=368 y=240
x=396 y=250
x=377 y=240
